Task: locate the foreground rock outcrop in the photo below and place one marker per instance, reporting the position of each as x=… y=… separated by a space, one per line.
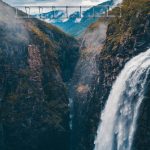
x=35 y=60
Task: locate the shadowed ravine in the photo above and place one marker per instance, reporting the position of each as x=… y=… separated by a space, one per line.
x=84 y=76
x=116 y=130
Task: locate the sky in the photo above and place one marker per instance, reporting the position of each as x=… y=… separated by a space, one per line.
x=54 y=2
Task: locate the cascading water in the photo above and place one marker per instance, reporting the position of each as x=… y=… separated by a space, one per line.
x=118 y=119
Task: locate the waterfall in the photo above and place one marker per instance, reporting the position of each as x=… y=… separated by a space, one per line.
x=118 y=119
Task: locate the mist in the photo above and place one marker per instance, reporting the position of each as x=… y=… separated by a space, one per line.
x=14 y=26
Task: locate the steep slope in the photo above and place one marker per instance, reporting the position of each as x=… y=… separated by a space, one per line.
x=85 y=75
x=126 y=37
x=34 y=61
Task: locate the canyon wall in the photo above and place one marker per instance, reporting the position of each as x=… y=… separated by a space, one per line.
x=126 y=37
x=34 y=63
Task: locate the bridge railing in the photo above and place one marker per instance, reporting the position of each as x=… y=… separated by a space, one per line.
x=53 y=12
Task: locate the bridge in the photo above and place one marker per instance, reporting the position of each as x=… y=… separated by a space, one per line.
x=91 y=11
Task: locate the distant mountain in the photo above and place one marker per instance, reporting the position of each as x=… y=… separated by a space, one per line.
x=52 y=16
x=74 y=25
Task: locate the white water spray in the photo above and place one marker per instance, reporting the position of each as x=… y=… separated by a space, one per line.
x=118 y=119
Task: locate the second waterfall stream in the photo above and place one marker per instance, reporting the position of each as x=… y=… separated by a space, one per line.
x=119 y=117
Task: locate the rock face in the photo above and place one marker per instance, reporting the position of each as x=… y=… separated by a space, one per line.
x=85 y=75
x=35 y=59
x=126 y=37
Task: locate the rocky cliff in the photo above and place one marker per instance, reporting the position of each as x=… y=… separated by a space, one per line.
x=84 y=77
x=126 y=37
x=35 y=59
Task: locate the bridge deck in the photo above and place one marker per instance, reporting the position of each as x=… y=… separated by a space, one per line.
x=38 y=11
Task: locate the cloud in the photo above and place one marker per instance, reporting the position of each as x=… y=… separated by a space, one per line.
x=54 y=2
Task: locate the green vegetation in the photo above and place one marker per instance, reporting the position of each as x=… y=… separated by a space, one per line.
x=135 y=14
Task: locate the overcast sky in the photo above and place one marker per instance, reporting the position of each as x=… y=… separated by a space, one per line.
x=54 y=2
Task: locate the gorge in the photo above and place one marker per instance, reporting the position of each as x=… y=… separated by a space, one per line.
x=100 y=80
x=117 y=129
